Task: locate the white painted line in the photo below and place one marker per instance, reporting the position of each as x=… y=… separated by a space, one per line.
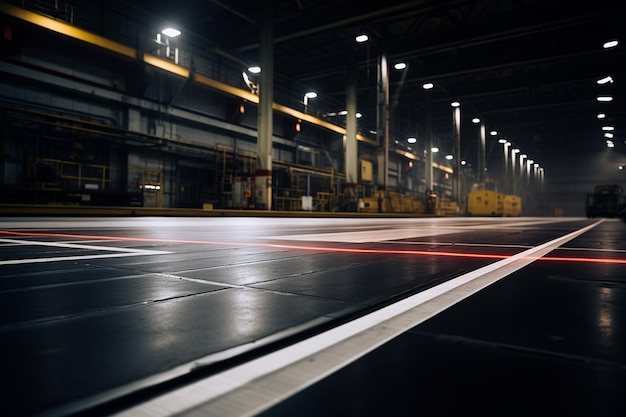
x=120 y=252
x=370 y=235
x=396 y=233
x=76 y=258
x=459 y=244
x=250 y=388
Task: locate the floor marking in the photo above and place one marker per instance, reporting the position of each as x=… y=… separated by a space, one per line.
x=255 y=386
x=121 y=252
x=491 y=245
x=369 y=235
x=288 y=246
x=394 y=234
x=478 y=245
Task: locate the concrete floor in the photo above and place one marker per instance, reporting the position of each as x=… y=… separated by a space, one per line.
x=312 y=316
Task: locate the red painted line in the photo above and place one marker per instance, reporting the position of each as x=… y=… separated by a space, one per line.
x=592 y=260
x=313 y=248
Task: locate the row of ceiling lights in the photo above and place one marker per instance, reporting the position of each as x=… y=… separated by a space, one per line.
x=608 y=131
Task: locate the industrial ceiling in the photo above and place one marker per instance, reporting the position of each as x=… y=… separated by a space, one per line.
x=528 y=68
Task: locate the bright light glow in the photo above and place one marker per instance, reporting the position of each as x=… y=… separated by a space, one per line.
x=607 y=79
x=359 y=115
x=475 y=120
x=608 y=135
x=514 y=151
x=343 y=113
x=171 y=32
x=428 y=86
x=455 y=104
x=530 y=162
x=400 y=65
x=463 y=163
x=608 y=128
x=621 y=167
x=411 y=140
x=605 y=98
x=493 y=132
x=610 y=144
x=503 y=141
x=362 y=38
x=254 y=70
x=434 y=150
x=610 y=44
x=310 y=94
x=601 y=115
x=449 y=157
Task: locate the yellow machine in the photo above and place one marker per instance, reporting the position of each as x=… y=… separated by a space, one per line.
x=512 y=205
x=492 y=203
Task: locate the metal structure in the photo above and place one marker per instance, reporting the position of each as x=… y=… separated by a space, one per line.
x=506 y=62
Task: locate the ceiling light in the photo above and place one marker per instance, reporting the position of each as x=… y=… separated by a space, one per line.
x=434 y=150
x=455 y=104
x=610 y=44
x=254 y=70
x=608 y=135
x=171 y=32
x=449 y=157
x=310 y=94
x=601 y=115
x=608 y=128
x=428 y=86
x=503 y=141
x=605 y=98
x=607 y=79
x=475 y=120
x=411 y=140
x=358 y=115
x=493 y=132
x=343 y=113
x=400 y=65
x=362 y=38
x=610 y=144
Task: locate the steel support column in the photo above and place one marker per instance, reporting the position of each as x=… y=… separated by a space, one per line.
x=382 y=120
x=351 y=152
x=263 y=178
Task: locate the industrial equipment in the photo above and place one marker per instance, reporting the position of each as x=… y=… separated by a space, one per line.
x=607 y=200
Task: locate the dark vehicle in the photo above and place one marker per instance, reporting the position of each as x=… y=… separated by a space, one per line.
x=606 y=200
